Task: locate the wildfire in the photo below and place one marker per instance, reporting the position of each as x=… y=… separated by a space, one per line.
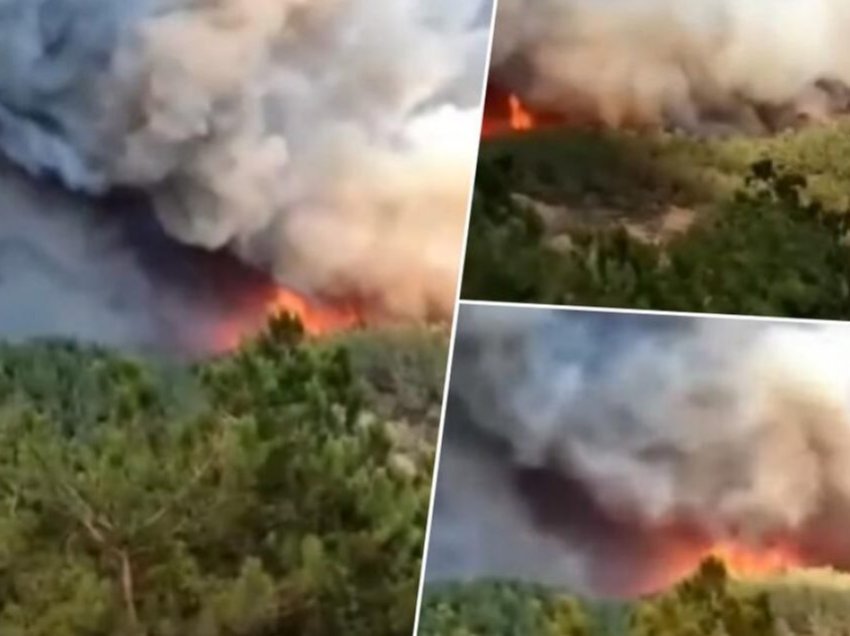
x=520 y=117
x=744 y=561
x=239 y=300
x=317 y=318
x=505 y=112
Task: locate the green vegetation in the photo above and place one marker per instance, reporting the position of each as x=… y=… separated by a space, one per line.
x=754 y=226
x=498 y=609
x=815 y=603
x=279 y=490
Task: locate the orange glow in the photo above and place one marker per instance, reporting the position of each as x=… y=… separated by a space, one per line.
x=743 y=561
x=505 y=112
x=520 y=117
x=241 y=300
x=223 y=338
x=317 y=319
x=680 y=561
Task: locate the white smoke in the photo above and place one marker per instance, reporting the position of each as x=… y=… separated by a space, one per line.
x=329 y=141
x=740 y=429
x=653 y=61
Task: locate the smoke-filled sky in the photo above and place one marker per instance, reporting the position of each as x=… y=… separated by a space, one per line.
x=698 y=64
x=603 y=451
x=328 y=143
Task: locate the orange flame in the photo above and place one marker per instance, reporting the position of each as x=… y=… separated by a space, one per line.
x=679 y=561
x=505 y=112
x=241 y=300
x=520 y=117
x=317 y=319
x=744 y=561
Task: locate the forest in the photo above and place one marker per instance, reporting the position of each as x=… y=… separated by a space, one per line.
x=709 y=603
x=280 y=489
x=664 y=221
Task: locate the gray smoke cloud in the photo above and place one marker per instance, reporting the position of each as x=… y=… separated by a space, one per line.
x=101 y=270
x=329 y=142
x=701 y=65
x=62 y=273
x=725 y=429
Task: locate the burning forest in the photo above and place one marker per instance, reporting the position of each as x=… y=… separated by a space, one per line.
x=174 y=172
x=705 y=68
x=614 y=453
x=177 y=179
x=665 y=155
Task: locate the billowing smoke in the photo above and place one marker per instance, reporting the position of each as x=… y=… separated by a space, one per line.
x=704 y=65
x=328 y=142
x=696 y=430
x=61 y=273
x=102 y=270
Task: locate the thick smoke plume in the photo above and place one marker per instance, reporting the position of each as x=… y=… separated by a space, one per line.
x=102 y=270
x=704 y=65
x=330 y=142
x=720 y=430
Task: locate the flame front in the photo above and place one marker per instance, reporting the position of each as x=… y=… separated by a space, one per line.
x=317 y=319
x=680 y=556
x=744 y=561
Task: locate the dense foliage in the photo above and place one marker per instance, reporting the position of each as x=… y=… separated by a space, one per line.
x=769 y=235
x=265 y=493
x=707 y=604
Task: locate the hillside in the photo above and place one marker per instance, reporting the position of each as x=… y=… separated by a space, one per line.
x=282 y=489
x=801 y=603
x=664 y=221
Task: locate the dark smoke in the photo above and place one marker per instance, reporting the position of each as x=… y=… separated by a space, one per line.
x=327 y=143
x=102 y=270
x=605 y=450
